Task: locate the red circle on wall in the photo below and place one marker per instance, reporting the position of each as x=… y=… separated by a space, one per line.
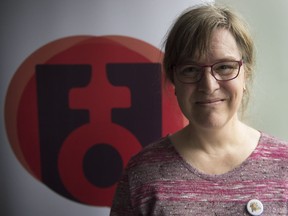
x=79 y=107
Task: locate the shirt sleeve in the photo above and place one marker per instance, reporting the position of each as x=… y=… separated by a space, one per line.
x=122 y=205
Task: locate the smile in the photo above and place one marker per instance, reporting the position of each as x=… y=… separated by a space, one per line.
x=209 y=102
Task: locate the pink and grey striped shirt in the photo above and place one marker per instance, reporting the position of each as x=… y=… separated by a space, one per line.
x=157 y=181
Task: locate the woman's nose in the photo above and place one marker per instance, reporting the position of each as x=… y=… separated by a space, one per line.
x=208 y=84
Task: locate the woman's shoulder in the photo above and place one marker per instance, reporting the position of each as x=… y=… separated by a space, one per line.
x=156 y=152
x=273 y=145
x=272 y=140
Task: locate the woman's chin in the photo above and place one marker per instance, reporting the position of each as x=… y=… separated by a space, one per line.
x=210 y=122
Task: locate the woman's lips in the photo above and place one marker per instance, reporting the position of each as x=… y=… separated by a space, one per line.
x=209 y=101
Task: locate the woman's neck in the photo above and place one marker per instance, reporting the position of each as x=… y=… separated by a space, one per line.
x=216 y=152
x=216 y=139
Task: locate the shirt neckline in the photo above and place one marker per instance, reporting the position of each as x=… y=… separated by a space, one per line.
x=216 y=177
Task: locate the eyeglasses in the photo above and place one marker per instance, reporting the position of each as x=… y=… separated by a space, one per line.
x=221 y=71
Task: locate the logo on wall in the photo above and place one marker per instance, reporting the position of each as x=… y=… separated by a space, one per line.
x=79 y=107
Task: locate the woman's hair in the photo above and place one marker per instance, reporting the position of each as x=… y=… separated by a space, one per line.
x=191 y=34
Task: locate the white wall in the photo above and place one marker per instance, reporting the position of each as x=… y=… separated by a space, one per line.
x=28 y=25
x=268 y=21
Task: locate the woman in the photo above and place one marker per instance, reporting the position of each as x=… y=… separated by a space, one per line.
x=216 y=165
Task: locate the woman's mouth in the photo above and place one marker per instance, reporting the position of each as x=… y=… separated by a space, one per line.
x=209 y=101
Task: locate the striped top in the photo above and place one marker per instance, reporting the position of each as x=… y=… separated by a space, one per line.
x=157 y=181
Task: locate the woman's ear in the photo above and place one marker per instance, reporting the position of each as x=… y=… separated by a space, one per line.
x=245 y=81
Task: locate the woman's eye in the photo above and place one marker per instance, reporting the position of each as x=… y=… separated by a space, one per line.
x=225 y=68
x=190 y=71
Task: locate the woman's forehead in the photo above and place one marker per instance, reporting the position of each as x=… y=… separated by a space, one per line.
x=222 y=46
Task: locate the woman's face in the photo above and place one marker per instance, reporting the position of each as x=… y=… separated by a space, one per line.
x=210 y=103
